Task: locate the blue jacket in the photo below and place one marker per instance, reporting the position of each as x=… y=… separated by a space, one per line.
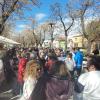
x=79 y=59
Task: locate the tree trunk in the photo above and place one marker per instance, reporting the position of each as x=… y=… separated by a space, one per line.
x=66 y=40
x=1 y=28
x=65 y=43
x=89 y=47
x=52 y=40
x=40 y=45
x=36 y=43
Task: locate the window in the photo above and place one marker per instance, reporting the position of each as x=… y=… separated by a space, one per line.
x=76 y=44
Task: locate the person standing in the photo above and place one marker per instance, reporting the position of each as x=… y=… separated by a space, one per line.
x=70 y=64
x=78 y=61
x=52 y=58
x=56 y=85
x=73 y=55
x=21 y=70
x=95 y=51
x=30 y=79
x=88 y=83
x=8 y=68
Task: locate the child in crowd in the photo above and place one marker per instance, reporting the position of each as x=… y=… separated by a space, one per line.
x=70 y=63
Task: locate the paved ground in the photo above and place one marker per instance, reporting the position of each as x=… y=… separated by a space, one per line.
x=6 y=92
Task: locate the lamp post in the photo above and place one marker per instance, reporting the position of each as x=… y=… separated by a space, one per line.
x=52 y=30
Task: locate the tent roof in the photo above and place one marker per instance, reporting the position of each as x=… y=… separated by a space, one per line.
x=6 y=40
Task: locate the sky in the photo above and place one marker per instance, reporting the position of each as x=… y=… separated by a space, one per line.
x=40 y=14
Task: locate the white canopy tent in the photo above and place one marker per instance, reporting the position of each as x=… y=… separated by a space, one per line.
x=6 y=40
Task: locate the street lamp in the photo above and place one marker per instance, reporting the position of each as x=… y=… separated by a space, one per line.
x=52 y=30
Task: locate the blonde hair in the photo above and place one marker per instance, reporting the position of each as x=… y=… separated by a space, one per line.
x=31 y=69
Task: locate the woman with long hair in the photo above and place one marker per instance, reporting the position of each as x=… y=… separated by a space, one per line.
x=30 y=79
x=56 y=85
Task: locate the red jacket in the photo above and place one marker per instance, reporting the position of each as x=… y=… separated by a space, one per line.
x=21 y=69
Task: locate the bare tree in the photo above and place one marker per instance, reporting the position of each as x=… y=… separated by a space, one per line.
x=7 y=7
x=26 y=38
x=93 y=30
x=85 y=11
x=41 y=32
x=44 y=29
x=62 y=16
x=8 y=29
x=35 y=35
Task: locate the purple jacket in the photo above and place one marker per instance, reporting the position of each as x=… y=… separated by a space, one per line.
x=52 y=88
x=57 y=89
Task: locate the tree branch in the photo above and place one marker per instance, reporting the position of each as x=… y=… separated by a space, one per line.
x=62 y=22
x=35 y=2
x=13 y=7
x=84 y=10
x=64 y=26
x=83 y=27
x=5 y=15
x=71 y=24
x=1 y=4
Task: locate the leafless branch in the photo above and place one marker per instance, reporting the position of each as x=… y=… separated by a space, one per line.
x=1 y=4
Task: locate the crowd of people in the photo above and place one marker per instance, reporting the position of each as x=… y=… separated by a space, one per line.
x=51 y=74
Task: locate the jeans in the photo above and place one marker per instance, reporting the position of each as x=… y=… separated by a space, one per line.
x=78 y=70
x=21 y=88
